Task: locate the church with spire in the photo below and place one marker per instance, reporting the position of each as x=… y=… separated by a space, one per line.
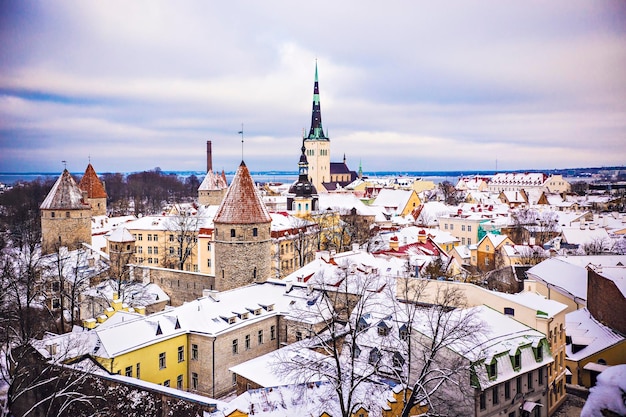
x=326 y=176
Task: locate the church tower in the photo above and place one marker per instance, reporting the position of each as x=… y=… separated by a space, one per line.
x=317 y=144
x=242 y=235
x=96 y=194
x=65 y=216
x=302 y=196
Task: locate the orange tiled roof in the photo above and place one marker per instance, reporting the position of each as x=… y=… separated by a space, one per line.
x=242 y=204
x=92 y=184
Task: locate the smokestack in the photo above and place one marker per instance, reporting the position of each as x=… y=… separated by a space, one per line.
x=209 y=157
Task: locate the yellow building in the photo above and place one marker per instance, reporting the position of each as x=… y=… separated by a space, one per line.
x=397 y=202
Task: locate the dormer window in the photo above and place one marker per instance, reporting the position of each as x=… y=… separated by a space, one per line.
x=398 y=360
x=374 y=357
x=383 y=329
x=509 y=311
x=492 y=369
x=516 y=360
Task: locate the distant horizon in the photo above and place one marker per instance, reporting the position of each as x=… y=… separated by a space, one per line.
x=288 y=174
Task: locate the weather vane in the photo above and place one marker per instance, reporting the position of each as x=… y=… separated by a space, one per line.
x=64 y=164
x=241 y=133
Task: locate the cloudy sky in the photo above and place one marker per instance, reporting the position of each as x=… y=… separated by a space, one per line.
x=405 y=85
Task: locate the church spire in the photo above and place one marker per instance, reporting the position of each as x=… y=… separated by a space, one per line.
x=316 y=132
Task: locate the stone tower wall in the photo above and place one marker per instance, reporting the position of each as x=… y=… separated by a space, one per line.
x=64 y=228
x=98 y=206
x=238 y=257
x=211 y=197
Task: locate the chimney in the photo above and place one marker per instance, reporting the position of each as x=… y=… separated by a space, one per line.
x=209 y=157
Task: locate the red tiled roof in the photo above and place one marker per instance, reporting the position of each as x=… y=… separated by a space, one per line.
x=92 y=184
x=242 y=204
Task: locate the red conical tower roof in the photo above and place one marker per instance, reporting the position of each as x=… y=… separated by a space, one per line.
x=242 y=204
x=92 y=184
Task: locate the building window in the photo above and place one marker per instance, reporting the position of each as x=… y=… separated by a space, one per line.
x=138 y=370
x=166 y=383
x=507 y=390
x=540 y=376
x=208 y=246
x=67 y=214
x=487 y=248
x=181 y=353
x=129 y=371
x=235 y=346
x=509 y=311
x=139 y=249
x=462 y=241
x=469 y=227
x=149 y=249
x=518 y=385
x=149 y=237
x=179 y=382
x=273 y=332
x=171 y=238
x=445 y=226
x=516 y=360
x=483 y=401
x=162 y=360
x=156 y=250
x=140 y=236
x=208 y=262
x=234 y=379
x=495 y=395
x=232 y=232
x=247 y=342
x=255 y=231
x=298 y=336
x=156 y=238
x=492 y=370
x=260 y=337
x=56 y=286
x=56 y=303
x=530 y=380
x=194 y=380
x=462 y=227
x=52 y=214
x=194 y=352
x=469 y=240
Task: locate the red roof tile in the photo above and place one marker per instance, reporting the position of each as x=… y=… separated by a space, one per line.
x=242 y=204
x=92 y=184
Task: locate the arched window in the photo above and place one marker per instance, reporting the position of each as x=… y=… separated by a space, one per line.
x=232 y=232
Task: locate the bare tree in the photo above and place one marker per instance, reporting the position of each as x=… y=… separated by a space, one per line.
x=370 y=330
x=596 y=246
x=181 y=239
x=450 y=194
x=437 y=324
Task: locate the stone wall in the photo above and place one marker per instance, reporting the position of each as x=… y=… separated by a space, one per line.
x=211 y=197
x=180 y=286
x=98 y=206
x=240 y=257
x=64 y=228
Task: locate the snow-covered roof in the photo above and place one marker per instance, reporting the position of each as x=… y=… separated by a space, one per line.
x=536 y=302
x=500 y=336
x=213 y=181
x=264 y=370
x=562 y=274
x=64 y=195
x=585 y=330
x=344 y=202
x=211 y=316
x=394 y=201
x=581 y=236
x=121 y=234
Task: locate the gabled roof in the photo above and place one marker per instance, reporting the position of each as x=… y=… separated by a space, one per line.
x=92 y=184
x=64 y=195
x=242 y=204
